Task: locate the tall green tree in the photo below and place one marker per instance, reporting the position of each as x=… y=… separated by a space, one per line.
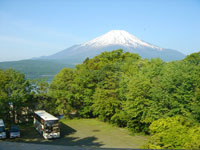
x=106 y=96
x=62 y=90
x=16 y=95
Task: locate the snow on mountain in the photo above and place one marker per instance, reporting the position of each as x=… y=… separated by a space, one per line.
x=114 y=39
x=118 y=37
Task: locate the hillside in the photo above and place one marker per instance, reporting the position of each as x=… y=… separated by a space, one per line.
x=36 y=68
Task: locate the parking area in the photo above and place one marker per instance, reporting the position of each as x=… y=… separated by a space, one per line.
x=29 y=146
x=79 y=134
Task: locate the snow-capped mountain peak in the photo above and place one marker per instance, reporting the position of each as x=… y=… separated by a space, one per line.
x=115 y=39
x=118 y=37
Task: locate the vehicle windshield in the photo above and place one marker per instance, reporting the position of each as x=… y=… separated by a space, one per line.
x=52 y=126
x=51 y=122
x=14 y=129
x=2 y=129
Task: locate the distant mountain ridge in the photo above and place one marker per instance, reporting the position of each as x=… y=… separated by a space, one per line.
x=36 y=68
x=115 y=39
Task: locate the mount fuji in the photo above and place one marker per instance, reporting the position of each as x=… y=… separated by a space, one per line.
x=49 y=66
x=114 y=39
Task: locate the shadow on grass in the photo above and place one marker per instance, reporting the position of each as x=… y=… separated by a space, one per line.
x=65 y=130
x=30 y=135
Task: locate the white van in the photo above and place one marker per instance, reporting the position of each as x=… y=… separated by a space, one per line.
x=2 y=130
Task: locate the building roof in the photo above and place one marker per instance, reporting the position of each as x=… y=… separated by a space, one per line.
x=45 y=115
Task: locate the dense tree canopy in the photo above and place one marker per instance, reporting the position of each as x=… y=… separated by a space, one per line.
x=121 y=88
x=150 y=96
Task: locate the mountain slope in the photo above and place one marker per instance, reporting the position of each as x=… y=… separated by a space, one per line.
x=35 y=68
x=48 y=66
x=115 y=39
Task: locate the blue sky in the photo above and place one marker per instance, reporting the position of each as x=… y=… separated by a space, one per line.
x=32 y=28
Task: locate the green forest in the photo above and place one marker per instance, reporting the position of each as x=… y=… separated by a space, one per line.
x=152 y=97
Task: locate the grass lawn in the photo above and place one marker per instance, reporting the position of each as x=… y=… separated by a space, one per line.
x=86 y=132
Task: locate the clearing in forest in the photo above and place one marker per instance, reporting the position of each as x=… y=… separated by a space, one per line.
x=87 y=133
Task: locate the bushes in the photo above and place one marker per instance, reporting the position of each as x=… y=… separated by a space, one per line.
x=174 y=132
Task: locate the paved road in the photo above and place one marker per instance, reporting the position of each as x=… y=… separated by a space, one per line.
x=27 y=146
